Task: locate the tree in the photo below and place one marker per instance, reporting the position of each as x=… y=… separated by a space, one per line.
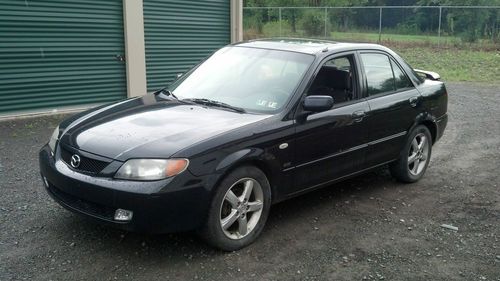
x=341 y=17
x=254 y=18
x=469 y=24
x=290 y=15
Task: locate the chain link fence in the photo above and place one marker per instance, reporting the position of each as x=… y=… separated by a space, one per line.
x=431 y=25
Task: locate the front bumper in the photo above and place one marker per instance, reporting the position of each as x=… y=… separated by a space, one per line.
x=171 y=205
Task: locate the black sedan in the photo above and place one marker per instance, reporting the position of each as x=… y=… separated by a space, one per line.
x=254 y=124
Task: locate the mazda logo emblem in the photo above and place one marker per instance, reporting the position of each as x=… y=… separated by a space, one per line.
x=75 y=161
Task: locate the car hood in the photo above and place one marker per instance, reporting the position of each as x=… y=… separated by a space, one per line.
x=149 y=127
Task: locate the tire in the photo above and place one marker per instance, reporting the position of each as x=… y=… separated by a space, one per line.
x=415 y=156
x=231 y=208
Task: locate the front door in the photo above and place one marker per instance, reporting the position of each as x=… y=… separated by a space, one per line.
x=331 y=144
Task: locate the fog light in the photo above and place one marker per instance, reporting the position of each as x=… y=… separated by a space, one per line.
x=45 y=181
x=123 y=215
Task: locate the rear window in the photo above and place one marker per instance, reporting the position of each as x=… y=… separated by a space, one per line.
x=378 y=71
x=383 y=74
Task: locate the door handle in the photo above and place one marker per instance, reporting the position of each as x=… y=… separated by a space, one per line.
x=357 y=116
x=413 y=101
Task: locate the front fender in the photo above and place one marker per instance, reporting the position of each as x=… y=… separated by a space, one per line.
x=262 y=159
x=265 y=161
x=235 y=157
x=258 y=146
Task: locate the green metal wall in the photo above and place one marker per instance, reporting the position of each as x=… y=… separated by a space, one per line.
x=60 y=53
x=179 y=34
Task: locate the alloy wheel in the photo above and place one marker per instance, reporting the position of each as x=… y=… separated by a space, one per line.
x=418 y=154
x=241 y=208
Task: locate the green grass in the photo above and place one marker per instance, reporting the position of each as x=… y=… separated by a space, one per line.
x=455 y=64
x=272 y=29
x=448 y=56
x=452 y=59
x=373 y=37
x=425 y=40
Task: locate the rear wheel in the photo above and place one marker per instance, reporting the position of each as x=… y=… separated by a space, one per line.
x=414 y=158
x=239 y=209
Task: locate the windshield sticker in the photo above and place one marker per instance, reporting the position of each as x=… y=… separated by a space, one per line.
x=269 y=104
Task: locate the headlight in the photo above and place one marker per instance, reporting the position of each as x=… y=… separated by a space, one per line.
x=151 y=169
x=53 y=139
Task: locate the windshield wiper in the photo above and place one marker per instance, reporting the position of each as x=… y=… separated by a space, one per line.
x=166 y=92
x=210 y=102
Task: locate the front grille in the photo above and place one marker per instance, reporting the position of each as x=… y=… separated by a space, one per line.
x=81 y=205
x=87 y=165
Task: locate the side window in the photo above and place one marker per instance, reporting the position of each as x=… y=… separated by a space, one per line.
x=335 y=79
x=401 y=80
x=378 y=73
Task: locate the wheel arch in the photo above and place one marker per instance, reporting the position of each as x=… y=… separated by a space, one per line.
x=432 y=128
x=428 y=121
x=248 y=157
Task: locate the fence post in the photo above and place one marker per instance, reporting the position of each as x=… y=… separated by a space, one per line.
x=380 y=25
x=279 y=15
x=439 y=26
x=325 y=20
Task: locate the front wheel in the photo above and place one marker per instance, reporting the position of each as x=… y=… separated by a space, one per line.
x=414 y=158
x=239 y=209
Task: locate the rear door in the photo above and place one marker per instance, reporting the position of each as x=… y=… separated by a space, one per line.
x=394 y=104
x=331 y=144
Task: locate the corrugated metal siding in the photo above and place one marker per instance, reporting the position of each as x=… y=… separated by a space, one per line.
x=60 y=53
x=179 y=34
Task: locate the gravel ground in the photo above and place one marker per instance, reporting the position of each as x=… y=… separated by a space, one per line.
x=370 y=227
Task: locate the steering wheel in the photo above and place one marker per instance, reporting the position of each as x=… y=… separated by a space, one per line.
x=273 y=98
x=278 y=94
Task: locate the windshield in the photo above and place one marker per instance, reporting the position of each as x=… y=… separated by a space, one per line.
x=257 y=80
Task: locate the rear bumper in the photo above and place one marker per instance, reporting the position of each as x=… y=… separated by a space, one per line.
x=441 y=123
x=170 y=205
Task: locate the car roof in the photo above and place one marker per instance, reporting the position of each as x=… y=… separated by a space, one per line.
x=308 y=46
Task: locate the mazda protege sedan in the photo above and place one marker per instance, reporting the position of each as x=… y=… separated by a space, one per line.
x=254 y=124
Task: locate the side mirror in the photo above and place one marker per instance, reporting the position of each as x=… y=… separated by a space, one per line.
x=317 y=103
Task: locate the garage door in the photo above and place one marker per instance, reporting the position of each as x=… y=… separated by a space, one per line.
x=179 y=34
x=60 y=53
